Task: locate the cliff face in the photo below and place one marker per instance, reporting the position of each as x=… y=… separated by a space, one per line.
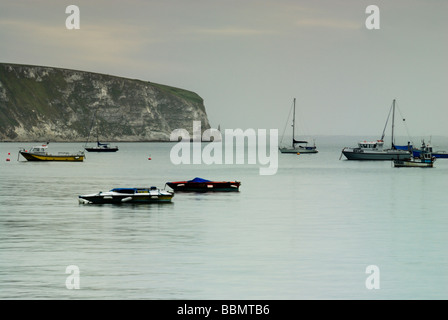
x=52 y=104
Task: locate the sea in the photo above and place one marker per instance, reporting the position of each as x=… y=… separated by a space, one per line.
x=321 y=227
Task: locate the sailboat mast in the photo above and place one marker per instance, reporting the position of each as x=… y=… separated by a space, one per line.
x=393 y=123
x=293 y=122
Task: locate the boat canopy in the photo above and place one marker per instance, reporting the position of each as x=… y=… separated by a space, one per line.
x=199 y=180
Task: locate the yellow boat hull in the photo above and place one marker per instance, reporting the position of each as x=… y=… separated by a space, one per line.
x=37 y=157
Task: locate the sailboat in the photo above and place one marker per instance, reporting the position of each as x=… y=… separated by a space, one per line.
x=297 y=146
x=374 y=150
x=100 y=147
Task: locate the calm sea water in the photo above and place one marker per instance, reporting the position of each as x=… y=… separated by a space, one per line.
x=307 y=232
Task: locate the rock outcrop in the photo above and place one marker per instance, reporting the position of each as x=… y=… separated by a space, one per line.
x=52 y=104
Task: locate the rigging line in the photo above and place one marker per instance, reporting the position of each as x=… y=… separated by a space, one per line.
x=286 y=124
x=387 y=120
x=91 y=125
x=405 y=125
x=304 y=130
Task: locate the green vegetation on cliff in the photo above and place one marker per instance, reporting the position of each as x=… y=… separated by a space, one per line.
x=45 y=103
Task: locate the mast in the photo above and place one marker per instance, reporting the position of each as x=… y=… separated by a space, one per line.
x=393 y=123
x=293 y=123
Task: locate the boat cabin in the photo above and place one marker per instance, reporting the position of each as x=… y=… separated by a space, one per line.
x=371 y=145
x=426 y=157
x=426 y=153
x=39 y=149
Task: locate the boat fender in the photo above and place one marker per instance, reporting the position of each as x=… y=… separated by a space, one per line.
x=126 y=199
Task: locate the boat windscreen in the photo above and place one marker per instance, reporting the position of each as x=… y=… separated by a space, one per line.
x=124 y=190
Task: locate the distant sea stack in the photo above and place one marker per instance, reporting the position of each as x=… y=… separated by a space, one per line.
x=52 y=104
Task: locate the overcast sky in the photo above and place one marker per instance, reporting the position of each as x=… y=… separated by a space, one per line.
x=248 y=59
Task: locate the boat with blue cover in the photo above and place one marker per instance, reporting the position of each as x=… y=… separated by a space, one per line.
x=203 y=185
x=128 y=195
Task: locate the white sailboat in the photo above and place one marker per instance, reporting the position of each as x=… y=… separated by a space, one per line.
x=297 y=146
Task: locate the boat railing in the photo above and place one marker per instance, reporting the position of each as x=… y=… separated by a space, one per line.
x=65 y=153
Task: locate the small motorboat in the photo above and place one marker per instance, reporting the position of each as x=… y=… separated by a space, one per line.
x=39 y=153
x=128 y=195
x=203 y=185
x=424 y=160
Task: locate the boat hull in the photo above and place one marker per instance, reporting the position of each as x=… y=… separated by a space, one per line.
x=412 y=164
x=185 y=186
x=354 y=154
x=298 y=150
x=38 y=157
x=94 y=149
x=115 y=198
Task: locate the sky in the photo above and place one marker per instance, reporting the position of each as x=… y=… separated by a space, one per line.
x=248 y=59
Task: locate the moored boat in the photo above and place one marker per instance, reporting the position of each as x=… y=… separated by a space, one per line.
x=128 y=195
x=39 y=153
x=424 y=160
x=203 y=185
x=102 y=147
x=436 y=154
x=374 y=150
x=297 y=146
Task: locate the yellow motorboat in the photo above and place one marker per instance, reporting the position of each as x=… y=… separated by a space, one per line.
x=39 y=153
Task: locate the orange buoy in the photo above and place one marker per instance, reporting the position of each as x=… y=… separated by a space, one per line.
x=298 y=153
